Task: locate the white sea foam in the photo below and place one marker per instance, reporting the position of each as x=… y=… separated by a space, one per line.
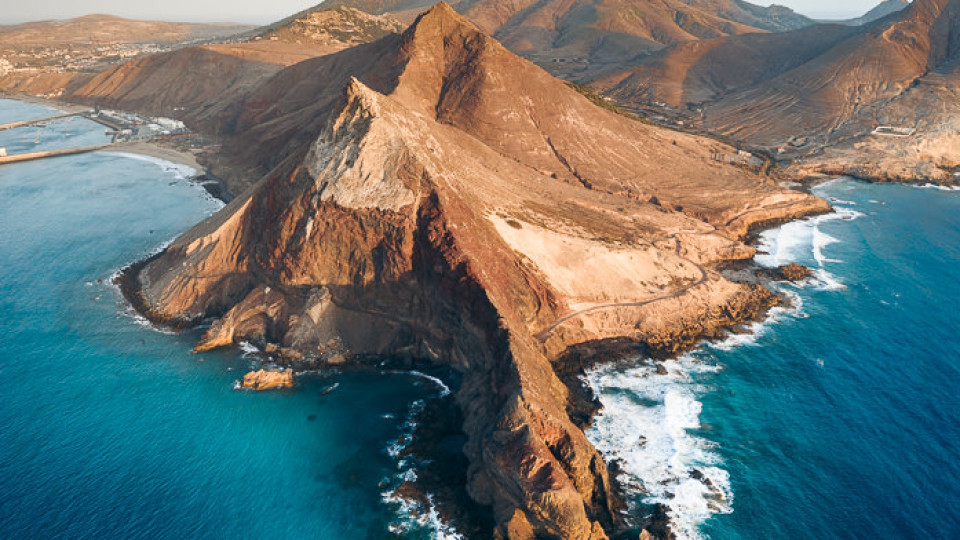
x=785 y=244
x=646 y=421
x=180 y=170
x=749 y=334
x=444 y=389
x=126 y=309
x=645 y=424
x=939 y=187
x=412 y=514
x=835 y=200
x=803 y=239
x=247 y=349
x=421 y=517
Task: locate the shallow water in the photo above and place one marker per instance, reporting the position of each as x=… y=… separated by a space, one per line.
x=837 y=419
x=109 y=428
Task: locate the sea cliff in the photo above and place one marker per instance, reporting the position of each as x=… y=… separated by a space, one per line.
x=465 y=209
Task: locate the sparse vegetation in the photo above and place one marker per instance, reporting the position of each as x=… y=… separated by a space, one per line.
x=602 y=102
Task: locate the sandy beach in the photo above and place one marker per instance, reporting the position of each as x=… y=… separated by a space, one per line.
x=163 y=152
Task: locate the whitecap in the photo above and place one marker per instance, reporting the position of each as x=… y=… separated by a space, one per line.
x=835 y=200
x=410 y=514
x=802 y=240
x=179 y=170
x=784 y=244
x=247 y=349
x=939 y=187
x=444 y=389
x=646 y=424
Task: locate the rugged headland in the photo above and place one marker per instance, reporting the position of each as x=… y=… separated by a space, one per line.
x=433 y=197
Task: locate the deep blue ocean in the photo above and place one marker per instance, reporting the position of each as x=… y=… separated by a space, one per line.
x=112 y=429
x=836 y=418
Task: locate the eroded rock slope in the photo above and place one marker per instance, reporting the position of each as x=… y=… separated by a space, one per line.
x=437 y=197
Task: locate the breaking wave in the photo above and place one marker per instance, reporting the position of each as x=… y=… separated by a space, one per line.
x=647 y=425
x=804 y=241
x=179 y=171
x=650 y=421
x=414 y=516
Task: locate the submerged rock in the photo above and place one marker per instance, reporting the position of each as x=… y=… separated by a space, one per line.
x=268 y=380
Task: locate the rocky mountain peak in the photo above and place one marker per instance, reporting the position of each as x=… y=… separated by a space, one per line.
x=434 y=197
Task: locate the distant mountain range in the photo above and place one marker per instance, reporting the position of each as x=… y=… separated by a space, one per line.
x=110 y=29
x=881 y=10
x=817 y=86
x=580 y=38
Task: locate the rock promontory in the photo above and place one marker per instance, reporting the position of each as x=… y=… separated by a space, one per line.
x=433 y=196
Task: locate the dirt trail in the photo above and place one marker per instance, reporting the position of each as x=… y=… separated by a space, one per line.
x=545 y=333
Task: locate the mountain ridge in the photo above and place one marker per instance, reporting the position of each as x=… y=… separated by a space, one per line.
x=817 y=88
x=421 y=200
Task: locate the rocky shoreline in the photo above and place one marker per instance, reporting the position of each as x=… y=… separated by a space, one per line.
x=438 y=437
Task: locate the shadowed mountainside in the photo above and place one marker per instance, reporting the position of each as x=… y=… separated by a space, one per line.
x=220 y=75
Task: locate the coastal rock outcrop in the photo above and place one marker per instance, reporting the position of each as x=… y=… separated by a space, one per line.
x=793 y=272
x=263 y=379
x=441 y=199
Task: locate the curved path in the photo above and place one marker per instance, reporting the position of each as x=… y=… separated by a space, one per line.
x=545 y=333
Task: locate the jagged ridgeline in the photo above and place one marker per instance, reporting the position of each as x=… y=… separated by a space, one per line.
x=582 y=40
x=433 y=196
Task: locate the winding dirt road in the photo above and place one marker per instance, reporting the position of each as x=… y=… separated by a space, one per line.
x=545 y=333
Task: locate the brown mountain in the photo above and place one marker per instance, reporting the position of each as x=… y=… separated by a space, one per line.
x=220 y=74
x=109 y=29
x=433 y=197
x=818 y=87
x=578 y=39
x=336 y=28
x=774 y=18
x=48 y=57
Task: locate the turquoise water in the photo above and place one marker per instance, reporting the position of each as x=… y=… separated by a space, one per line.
x=111 y=429
x=839 y=419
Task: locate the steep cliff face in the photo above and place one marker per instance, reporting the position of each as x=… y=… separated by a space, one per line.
x=439 y=198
